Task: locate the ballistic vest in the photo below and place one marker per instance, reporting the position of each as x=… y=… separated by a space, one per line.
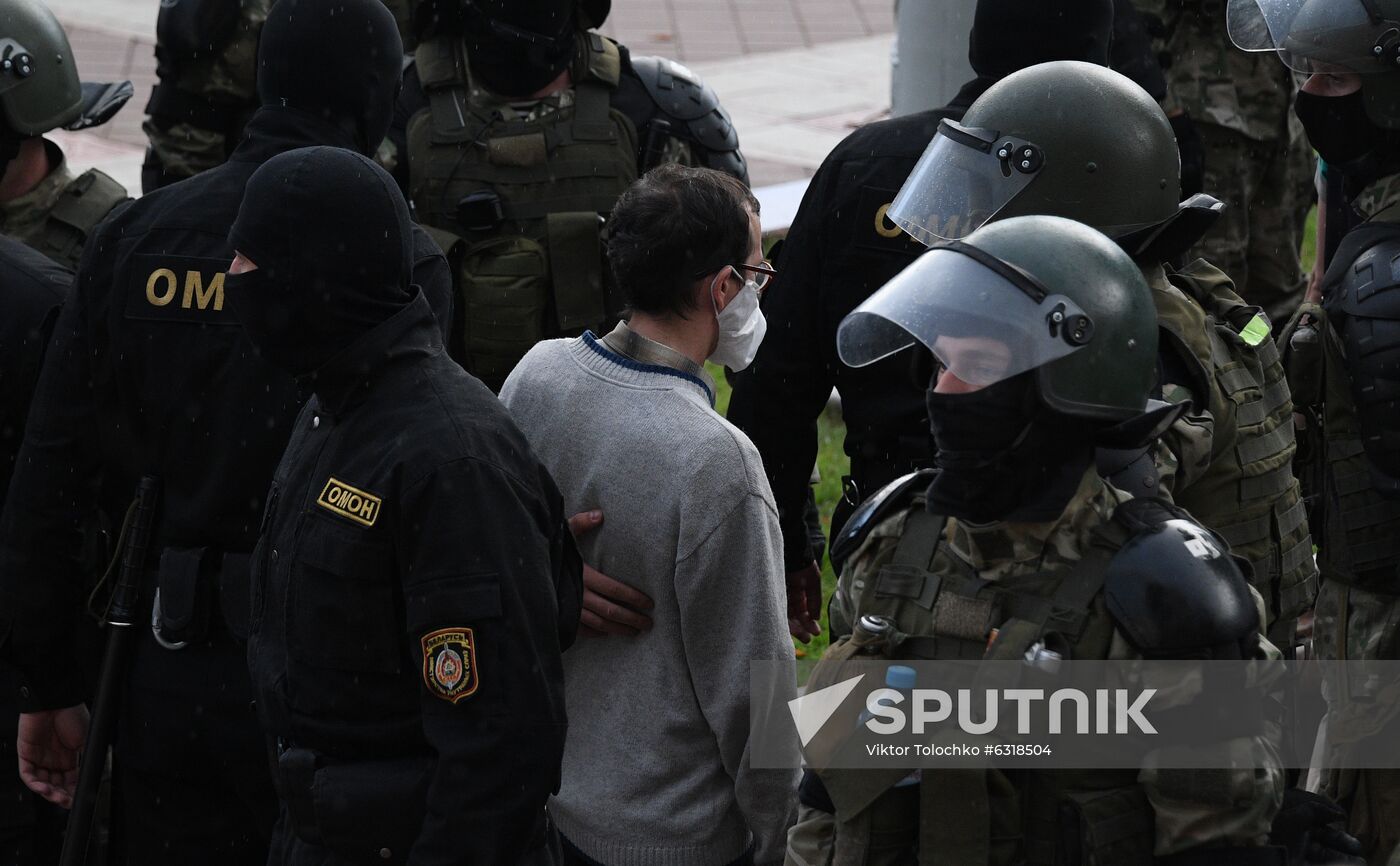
x=942 y=609
x=1360 y=526
x=1248 y=494
x=517 y=193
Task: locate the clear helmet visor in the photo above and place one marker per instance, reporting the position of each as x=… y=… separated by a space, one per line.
x=963 y=178
x=982 y=326
x=1311 y=36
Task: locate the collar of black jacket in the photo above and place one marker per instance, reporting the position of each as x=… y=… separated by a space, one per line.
x=274 y=129
x=383 y=354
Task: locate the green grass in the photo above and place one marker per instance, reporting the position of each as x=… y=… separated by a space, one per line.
x=833 y=464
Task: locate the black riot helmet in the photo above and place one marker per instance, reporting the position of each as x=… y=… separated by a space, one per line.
x=516 y=47
x=338 y=60
x=1321 y=36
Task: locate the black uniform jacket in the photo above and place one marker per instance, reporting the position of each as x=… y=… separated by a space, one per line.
x=148 y=372
x=407 y=614
x=840 y=249
x=33 y=289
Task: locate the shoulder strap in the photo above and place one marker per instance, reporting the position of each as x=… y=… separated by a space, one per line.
x=922 y=534
x=83 y=204
x=597 y=58
x=88 y=200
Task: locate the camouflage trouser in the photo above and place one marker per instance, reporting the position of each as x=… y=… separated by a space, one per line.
x=1265 y=187
x=1353 y=624
x=180 y=151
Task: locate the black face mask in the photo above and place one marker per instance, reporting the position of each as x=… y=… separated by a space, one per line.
x=1004 y=456
x=330 y=234
x=517 y=50
x=338 y=60
x=277 y=330
x=1338 y=127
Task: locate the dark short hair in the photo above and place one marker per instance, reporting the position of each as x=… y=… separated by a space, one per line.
x=671 y=227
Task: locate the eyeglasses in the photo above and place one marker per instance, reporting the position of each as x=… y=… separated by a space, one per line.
x=763 y=274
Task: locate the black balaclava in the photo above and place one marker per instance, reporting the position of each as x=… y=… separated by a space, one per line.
x=516 y=47
x=10 y=142
x=1010 y=35
x=1343 y=134
x=337 y=60
x=330 y=234
x=1004 y=455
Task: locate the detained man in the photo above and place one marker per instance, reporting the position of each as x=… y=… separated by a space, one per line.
x=656 y=766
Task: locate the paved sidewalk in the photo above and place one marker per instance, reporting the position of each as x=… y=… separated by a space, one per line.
x=698 y=30
x=797 y=75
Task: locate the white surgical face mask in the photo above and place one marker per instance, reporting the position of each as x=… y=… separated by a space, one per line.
x=741 y=328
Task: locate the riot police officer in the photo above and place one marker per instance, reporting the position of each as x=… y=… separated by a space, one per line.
x=205 y=90
x=206 y=52
x=1046 y=344
x=840 y=249
x=149 y=374
x=42 y=202
x=1083 y=142
x=1340 y=358
x=415 y=582
x=531 y=126
x=31 y=829
x=1252 y=153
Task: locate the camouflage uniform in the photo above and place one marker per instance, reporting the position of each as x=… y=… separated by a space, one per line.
x=1228 y=460
x=1188 y=808
x=1257 y=158
x=181 y=149
x=59 y=213
x=1358 y=608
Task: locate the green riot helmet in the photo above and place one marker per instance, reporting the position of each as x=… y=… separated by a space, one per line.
x=1329 y=36
x=39 y=86
x=1027 y=293
x=1065 y=138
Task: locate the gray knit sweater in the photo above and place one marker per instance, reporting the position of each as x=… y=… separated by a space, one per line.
x=656 y=766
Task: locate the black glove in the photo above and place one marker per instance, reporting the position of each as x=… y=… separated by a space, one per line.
x=1193 y=154
x=1304 y=826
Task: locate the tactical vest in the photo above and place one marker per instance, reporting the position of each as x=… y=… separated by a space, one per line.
x=1360 y=527
x=518 y=199
x=1248 y=494
x=943 y=610
x=83 y=204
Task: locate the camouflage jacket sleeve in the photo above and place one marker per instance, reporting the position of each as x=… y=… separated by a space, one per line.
x=1230 y=806
x=1212 y=80
x=229 y=75
x=1183 y=453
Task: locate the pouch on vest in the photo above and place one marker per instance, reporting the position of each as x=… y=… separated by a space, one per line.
x=184 y=597
x=850 y=790
x=576 y=263
x=505 y=281
x=1112 y=826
